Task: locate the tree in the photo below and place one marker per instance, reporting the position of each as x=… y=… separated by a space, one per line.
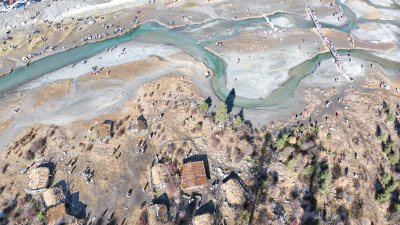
x=280 y=143
x=389 y=111
x=397 y=206
x=237 y=122
x=393 y=158
x=383 y=197
x=382 y=136
x=204 y=106
x=386 y=178
x=222 y=113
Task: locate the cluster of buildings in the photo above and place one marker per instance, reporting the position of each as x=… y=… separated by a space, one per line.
x=54 y=199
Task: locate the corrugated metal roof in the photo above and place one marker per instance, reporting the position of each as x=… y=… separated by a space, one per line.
x=193 y=175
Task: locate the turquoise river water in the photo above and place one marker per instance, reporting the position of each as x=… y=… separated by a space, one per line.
x=194 y=45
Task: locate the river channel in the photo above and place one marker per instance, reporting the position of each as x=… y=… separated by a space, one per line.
x=184 y=39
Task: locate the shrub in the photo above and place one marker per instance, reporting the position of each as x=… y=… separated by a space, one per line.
x=389 y=112
x=329 y=136
x=326 y=176
x=392 y=187
x=286 y=137
x=383 y=197
x=204 y=106
x=244 y=216
x=393 y=158
x=280 y=143
x=301 y=128
x=263 y=184
x=315 y=129
x=251 y=160
x=298 y=143
x=41 y=216
x=323 y=186
x=387 y=150
x=390 y=117
x=387 y=108
x=382 y=136
x=290 y=163
x=222 y=113
x=396 y=206
x=386 y=178
x=198 y=126
x=237 y=122
x=391 y=144
x=309 y=170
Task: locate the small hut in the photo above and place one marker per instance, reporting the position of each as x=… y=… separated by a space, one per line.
x=102 y=132
x=39 y=178
x=234 y=192
x=138 y=125
x=203 y=219
x=53 y=196
x=193 y=175
x=106 y=130
x=58 y=215
x=205 y=214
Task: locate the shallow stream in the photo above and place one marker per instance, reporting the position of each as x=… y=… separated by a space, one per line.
x=192 y=39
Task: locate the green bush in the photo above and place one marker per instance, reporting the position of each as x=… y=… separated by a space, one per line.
x=280 y=143
x=309 y=170
x=396 y=206
x=391 y=144
x=222 y=113
x=390 y=117
x=387 y=150
x=199 y=125
x=41 y=216
x=387 y=108
x=298 y=143
x=382 y=136
x=286 y=137
x=386 y=178
x=315 y=129
x=326 y=176
x=244 y=216
x=392 y=187
x=290 y=163
x=263 y=184
x=383 y=197
x=389 y=112
x=302 y=128
x=204 y=106
x=323 y=186
x=329 y=136
x=237 y=122
x=394 y=158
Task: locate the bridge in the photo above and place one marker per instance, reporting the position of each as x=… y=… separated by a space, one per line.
x=328 y=43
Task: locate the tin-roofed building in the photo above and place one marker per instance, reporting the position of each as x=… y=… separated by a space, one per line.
x=193 y=175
